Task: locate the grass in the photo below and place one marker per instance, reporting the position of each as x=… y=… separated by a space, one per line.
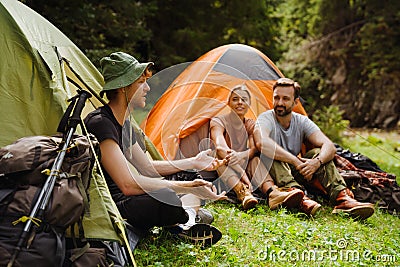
x=261 y=237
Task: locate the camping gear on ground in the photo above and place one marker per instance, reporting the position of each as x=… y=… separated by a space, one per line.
x=368 y=184
x=23 y=179
x=90 y=257
x=358 y=160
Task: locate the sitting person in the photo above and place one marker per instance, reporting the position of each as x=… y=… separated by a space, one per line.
x=232 y=134
x=142 y=200
x=279 y=135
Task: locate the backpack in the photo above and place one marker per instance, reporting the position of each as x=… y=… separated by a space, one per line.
x=24 y=168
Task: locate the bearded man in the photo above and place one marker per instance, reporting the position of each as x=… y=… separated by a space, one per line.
x=280 y=134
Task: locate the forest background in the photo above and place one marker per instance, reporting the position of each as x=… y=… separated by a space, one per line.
x=345 y=54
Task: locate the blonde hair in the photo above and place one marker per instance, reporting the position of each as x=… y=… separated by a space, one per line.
x=241 y=87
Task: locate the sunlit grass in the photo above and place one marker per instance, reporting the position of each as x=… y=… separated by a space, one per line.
x=262 y=237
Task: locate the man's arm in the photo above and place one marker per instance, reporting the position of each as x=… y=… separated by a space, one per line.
x=202 y=161
x=328 y=149
x=132 y=183
x=141 y=161
x=156 y=168
x=327 y=153
x=271 y=149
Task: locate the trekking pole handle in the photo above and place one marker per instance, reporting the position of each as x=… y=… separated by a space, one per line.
x=80 y=103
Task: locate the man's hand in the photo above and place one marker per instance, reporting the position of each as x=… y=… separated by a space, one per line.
x=308 y=167
x=202 y=189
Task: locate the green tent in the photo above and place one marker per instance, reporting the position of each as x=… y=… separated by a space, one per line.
x=40 y=69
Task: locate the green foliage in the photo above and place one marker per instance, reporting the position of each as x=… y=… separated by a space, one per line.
x=350 y=47
x=101 y=27
x=300 y=22
x=341 y=52
x=168 y=31
x=330 y=121
x=199 y=26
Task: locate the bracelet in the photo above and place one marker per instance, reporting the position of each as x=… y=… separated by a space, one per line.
x=320 y=161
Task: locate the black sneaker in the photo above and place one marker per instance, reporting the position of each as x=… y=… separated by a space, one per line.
x=204 y=216
x=203 y=234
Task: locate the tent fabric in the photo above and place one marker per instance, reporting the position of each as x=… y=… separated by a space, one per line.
x=33 y=85
x=40 y=70
x=201 y=91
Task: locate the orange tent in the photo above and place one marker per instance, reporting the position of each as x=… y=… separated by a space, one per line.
x=178 y=123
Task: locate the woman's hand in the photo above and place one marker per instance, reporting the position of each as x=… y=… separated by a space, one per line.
x=245 y=179
x=234 y=157
x=205 y=161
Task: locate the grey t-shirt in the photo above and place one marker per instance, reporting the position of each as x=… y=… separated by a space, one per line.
x=291 y=139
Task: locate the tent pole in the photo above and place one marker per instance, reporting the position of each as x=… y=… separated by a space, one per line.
x=93 y=92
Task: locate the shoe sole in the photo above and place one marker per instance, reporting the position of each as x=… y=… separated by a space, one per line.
x=291 y=201
x=250 y=204
x=203 y=234
x=315 y=209
x=360 y=212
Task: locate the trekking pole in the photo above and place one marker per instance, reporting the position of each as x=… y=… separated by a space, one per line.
x=39 y=208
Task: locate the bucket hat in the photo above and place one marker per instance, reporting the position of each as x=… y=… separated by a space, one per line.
x=120 y=69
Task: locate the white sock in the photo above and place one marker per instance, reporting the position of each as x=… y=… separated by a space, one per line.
x=192 y=218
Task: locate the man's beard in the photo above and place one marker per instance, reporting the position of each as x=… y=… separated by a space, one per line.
x=282 y=113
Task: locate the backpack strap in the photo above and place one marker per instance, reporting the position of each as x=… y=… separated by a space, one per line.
x=78 y=251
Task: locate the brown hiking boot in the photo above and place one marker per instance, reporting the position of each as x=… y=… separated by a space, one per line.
x=287 y=199
x=346 y=203
x=309 y=206
x=245 y=196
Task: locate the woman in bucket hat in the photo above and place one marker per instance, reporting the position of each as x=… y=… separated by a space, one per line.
x=143 y=200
